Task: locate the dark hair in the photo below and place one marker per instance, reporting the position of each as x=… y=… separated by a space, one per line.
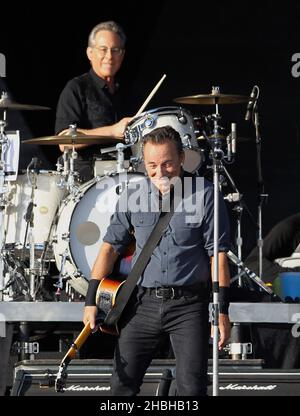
x=162 y=135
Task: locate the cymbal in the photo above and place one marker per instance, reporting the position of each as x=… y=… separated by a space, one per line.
x=7 y=103
x=77 y=139
x=214 y=98
x=222 y=137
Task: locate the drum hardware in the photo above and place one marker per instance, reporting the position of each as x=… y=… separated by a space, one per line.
x=62 y=275
x=119 y=148
x=3 y=200
x=29 y=219
x=70 y=292
x=63 y=170
x=250 y=275
x=15 y=283
x=30 y=215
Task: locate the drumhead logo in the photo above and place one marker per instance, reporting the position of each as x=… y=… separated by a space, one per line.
x=2 y=65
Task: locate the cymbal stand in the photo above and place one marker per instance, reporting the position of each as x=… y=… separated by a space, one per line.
x=217 y=155
x=119 y=148
x=3 y=202
x=72 y=188
x=29 y=218
x=63 y=169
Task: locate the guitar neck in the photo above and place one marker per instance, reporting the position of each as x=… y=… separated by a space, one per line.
x=79 y=341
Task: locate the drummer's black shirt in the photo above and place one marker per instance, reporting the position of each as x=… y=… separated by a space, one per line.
x=86 y=102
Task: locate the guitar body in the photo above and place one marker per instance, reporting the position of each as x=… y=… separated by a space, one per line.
x=105 y=299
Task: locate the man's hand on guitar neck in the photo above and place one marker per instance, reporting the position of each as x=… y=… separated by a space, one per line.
x=89 y=315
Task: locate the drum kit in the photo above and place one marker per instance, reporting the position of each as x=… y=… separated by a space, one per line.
x=49 y=219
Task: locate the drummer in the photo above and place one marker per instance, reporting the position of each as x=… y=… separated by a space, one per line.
x=91 y=100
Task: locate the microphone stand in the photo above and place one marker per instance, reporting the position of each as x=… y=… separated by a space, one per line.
x=261 y=187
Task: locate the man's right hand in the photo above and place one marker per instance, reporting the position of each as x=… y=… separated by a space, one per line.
x=89 y=315
x=118 y=129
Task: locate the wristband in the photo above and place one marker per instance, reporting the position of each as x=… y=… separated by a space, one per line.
x=224 y=299
x=90 y=298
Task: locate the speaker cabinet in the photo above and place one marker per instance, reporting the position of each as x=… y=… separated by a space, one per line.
x=85 y=378
x=92 y=378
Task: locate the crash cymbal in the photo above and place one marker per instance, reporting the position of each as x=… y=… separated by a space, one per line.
x=77 y=139
x=214 y=98
x=7 y=104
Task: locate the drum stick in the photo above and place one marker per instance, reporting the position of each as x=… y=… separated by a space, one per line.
x=151 y=95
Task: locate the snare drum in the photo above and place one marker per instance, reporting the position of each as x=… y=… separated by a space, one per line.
x=82 y=224
x=178 y=118
x=46 y=200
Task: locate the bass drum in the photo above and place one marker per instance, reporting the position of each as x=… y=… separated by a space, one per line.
x=82 y=223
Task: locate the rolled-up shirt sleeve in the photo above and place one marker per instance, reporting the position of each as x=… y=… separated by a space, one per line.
x=208 y=225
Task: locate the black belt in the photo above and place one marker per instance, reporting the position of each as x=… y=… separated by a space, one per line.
x=174 y=292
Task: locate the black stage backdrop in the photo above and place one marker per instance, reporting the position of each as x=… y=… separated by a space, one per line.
x=232 y=44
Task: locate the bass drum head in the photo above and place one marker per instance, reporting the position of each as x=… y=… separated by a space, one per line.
x=82 y=224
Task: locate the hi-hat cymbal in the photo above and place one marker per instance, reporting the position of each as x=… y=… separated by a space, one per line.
x=7 y=104
x=77 y=139
x=214 y=98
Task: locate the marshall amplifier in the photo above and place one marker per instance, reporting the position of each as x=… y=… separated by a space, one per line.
x=92 y=378
x=85 y=378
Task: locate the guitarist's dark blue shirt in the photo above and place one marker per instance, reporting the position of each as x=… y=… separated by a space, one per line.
x=182 y=256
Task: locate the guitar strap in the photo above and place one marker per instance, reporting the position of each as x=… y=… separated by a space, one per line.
x=130 y=283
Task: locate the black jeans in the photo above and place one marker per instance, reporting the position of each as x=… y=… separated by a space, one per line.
x=145 y=320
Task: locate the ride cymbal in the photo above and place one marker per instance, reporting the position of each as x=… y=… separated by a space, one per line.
x=76 y=139
x=212 y=99
x=222 y=137
x=7 y=104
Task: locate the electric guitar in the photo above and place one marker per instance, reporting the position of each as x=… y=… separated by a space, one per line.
x=105 y=299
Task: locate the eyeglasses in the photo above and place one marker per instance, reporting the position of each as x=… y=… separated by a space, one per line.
x=104 y=49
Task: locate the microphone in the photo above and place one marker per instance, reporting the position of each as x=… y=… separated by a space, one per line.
x=251 y=103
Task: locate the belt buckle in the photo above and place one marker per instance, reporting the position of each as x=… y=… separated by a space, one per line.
x=165 y=289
